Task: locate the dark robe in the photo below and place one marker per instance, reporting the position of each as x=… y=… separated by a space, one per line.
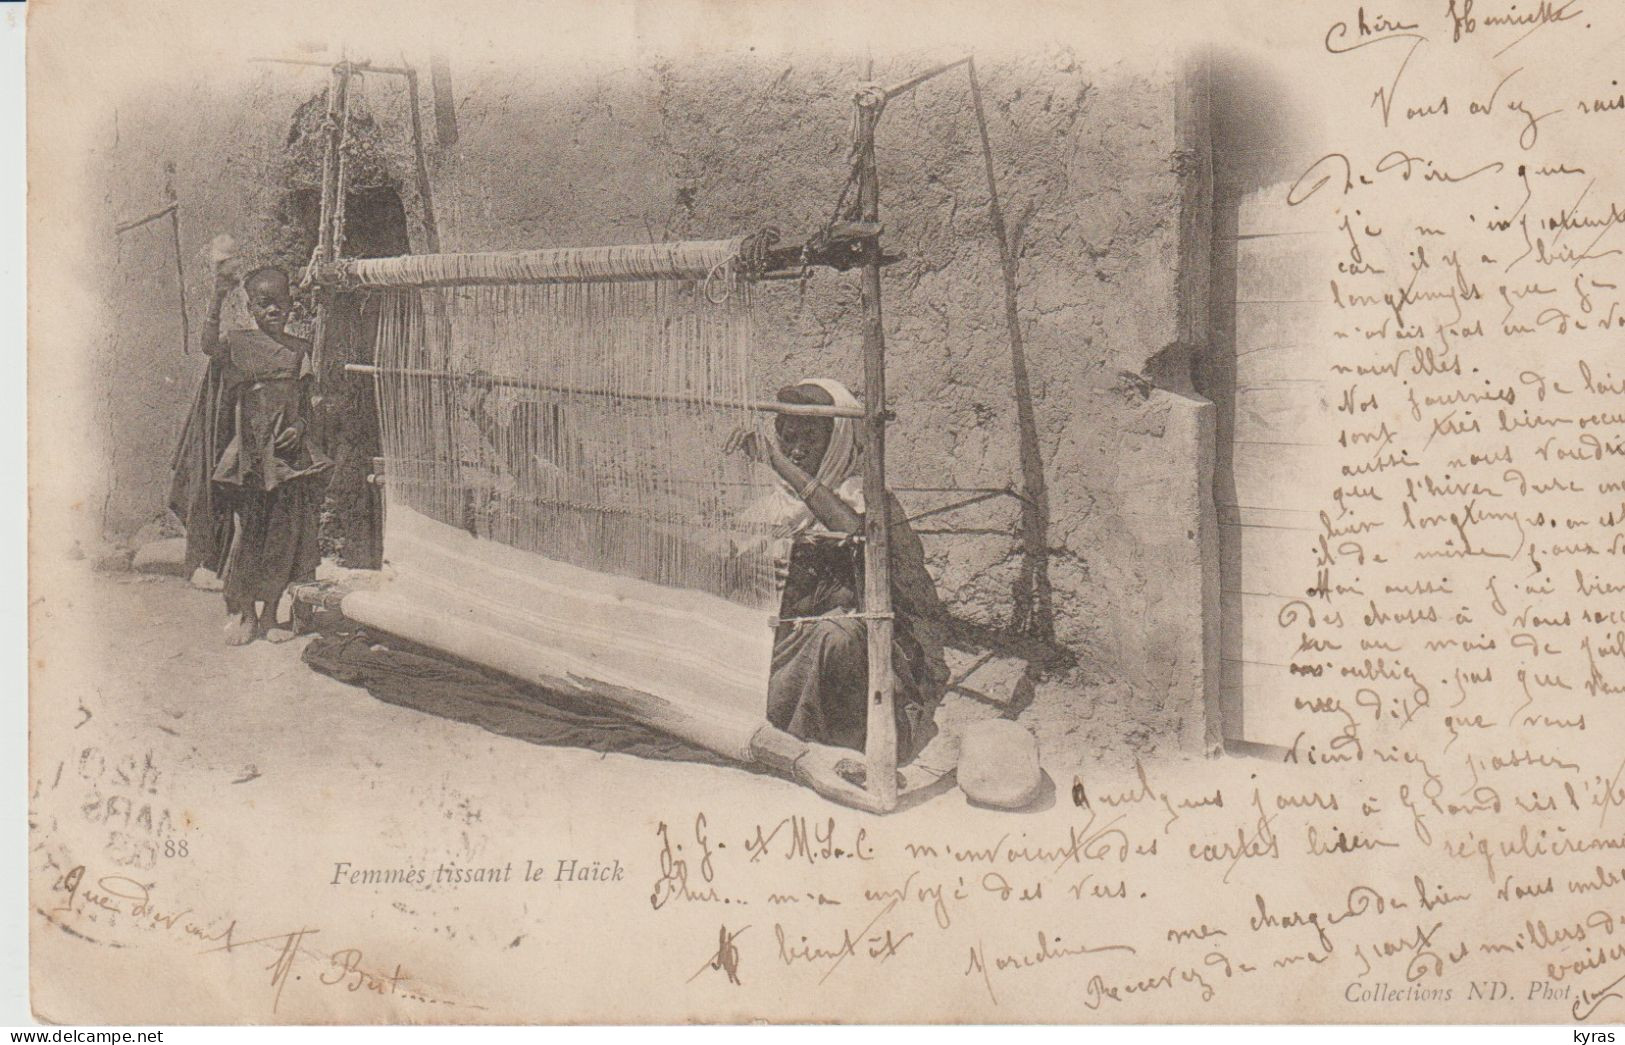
x=818 y=688
x=192 y=495
x=275 y=495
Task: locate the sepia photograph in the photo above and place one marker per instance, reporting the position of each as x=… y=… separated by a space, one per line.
x=682 y=512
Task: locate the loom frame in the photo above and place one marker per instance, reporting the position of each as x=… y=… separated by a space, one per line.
x=841 y=245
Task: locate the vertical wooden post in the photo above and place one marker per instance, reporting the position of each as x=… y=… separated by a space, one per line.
x=445 y=103
x=431 y=230
x=880 y=748
x=180 y=275
x=341 y=183
x=338 y=100
x=338 y=90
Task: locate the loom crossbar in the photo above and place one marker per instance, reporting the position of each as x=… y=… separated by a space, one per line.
x=771 y=406
x=638 y=262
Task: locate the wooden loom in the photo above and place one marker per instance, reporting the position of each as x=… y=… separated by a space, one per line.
x=504 y=597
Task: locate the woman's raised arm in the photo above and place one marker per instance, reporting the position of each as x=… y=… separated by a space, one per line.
x=834 y=514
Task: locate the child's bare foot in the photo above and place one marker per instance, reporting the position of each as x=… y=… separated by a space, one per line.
x=269 y=626
x=240 y=629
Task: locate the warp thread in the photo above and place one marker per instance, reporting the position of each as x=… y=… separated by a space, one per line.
x=633 y=482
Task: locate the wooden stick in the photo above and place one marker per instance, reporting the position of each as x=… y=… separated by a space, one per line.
x=771 y=406
x=445 y=104
x=813 y=765
x=119 y=230
x=180 y=277
x=172 y=211
x=431 y=231
x=914 y=81
x=880 y=746
x=337 y=88
x=338 y=93
x=360 y=67
x=341 y=189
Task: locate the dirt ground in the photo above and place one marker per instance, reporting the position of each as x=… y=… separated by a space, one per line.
x=148 y=734
x=156 y=669
x=224 y=836
x=229 y=793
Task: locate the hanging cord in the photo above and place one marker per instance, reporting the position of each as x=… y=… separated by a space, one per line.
x=337 y=218
x=871 y=96
x=867 y=96
x=725 y=273
x=754 y=249
x=308 y=280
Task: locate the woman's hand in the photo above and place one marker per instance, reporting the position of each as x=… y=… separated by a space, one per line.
x=765 y=449
x=289 y=437
x=746 y=441
x=754 y=547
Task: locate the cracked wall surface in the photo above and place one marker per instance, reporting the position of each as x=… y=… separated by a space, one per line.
x=1092 y=633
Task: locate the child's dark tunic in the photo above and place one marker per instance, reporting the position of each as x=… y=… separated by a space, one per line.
x=275 y=494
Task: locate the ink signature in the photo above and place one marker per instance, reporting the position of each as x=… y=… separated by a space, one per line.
x=726 y=958
x=1592 y=1000
x=282 y=965
x=124 y=897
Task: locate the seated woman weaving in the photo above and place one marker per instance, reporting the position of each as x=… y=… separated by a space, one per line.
x=820 y=671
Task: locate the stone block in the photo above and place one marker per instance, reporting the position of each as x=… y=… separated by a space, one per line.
x=162 y=556
x=998 y=764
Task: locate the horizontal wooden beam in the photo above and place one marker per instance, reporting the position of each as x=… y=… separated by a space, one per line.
x=119 y=230
x=354 y=67
x=771 y=406
x=914 y=81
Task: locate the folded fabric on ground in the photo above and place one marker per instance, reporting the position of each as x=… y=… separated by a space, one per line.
x=399 y=673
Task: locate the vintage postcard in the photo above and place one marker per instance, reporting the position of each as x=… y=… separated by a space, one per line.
x=677 y=512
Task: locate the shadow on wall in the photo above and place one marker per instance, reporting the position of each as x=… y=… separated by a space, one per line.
x=1030 y=634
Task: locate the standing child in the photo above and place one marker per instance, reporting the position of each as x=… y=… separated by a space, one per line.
x=269 y=473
